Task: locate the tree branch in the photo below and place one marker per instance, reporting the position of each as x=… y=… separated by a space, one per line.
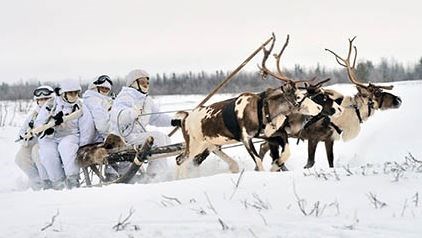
x=53 y=219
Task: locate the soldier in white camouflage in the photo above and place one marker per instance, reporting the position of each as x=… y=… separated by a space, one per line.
x=27 y=157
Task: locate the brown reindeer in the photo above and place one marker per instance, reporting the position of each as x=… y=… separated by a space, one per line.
x=239 y=119
x=357 y=109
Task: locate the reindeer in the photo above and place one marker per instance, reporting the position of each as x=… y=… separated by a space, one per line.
x=357 y=109
x=296 y=124
x=239 y=119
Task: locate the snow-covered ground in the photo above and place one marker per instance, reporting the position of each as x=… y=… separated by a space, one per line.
x=375 y=190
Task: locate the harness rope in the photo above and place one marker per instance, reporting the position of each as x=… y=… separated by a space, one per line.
x=357 y=109
x=132 y=125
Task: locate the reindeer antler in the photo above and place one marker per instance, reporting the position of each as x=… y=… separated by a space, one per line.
x=314 y=86
x=278 y=57
x=265 y=71
x=389 y=87
x=280 y=75
x=319 y=84
x=351 y=68
x=346 y=62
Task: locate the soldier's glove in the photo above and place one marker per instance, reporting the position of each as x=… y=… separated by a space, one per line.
x=176 y=122
x=58 y=118
x=49 y=131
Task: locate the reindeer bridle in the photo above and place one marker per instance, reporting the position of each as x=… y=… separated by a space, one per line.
x=377 y=93
x=357 y=111
x=290 y=98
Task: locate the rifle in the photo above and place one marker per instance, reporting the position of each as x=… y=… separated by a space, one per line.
x=37 y=130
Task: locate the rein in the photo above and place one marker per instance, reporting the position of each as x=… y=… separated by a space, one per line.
x=131 y=125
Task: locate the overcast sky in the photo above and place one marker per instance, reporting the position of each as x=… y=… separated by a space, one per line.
x=54 y=40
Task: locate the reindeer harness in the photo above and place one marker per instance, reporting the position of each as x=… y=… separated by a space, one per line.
x=357 y=109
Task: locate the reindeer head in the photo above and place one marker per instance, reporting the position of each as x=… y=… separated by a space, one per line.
x=297 y=100
x=373 y=93
x=382 y=100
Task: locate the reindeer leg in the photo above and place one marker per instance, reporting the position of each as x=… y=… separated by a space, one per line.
x=279 y=159
x=312 y=145
x=282 y=158
x=233 y=165
x=181 y=163
x=263 y=149
x=274 y=152
x=329 y=144
x=285 y=155
x=252 y=152
x=274 y=143
x=198 y=159
x=180 y=159
x=181 y=172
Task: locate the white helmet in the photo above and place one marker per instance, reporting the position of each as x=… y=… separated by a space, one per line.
x=134 y=75
x=102 y=81
x=69 y=86
x=43 y=91
x=137 y=74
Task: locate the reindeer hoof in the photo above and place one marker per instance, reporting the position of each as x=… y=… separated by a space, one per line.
x=275 y=169
x=180 y=159
x=309 y=165
x=284 y=168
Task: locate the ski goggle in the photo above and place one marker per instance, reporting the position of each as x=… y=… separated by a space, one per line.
x=42 y=92
x=102 y=79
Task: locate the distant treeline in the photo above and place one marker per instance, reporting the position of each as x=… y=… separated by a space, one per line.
x=204 y=82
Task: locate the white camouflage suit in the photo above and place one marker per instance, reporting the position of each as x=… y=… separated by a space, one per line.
x=58 y=150
x=99 y=106
x=27 y=157
x=128 y=121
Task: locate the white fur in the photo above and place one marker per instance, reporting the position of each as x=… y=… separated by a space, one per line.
x=273 y=126
x=240 y=108
x=309 y=107
x=338 y=110
x=348 y=121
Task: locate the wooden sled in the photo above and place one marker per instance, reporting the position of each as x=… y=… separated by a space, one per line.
x=93 y=158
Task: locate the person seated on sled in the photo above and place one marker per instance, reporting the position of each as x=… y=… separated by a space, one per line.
x=97 y=99
x=27 y=157
x=59 y=144
x=133 y=110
